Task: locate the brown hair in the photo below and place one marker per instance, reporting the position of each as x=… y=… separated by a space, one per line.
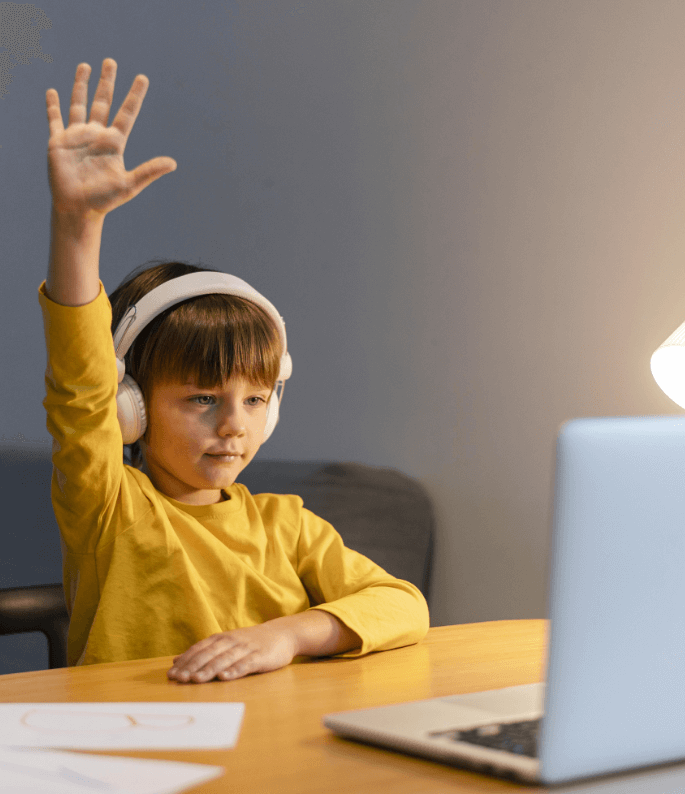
x=209 y=338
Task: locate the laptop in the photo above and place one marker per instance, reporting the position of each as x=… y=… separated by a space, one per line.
x=614 y=696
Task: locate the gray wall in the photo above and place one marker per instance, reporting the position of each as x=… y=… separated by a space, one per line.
x=469 y=213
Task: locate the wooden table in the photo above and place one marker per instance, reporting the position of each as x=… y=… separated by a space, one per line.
x=283 y=746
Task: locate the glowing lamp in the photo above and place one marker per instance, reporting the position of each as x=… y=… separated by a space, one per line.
x=668 y=366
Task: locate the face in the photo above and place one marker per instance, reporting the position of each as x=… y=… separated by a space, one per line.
x=188 y=427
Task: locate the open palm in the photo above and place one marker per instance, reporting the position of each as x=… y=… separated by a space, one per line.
x=86 y=159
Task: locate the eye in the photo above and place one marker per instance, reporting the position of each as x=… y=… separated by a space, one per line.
x=202 y=397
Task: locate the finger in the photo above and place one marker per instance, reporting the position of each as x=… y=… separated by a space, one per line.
x=55 y=123
x=102 y=101
x=183 y=658
x=232 y=661
x=130 y=107
x=248 y=664
x=201 y=661
x=146 y=173
x=79 y=95
x=204 y=665
x=195 y=656
x=177 y=673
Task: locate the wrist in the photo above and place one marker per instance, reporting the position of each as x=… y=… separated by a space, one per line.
x=318 y=633
x=73 y=269
x=76 y=224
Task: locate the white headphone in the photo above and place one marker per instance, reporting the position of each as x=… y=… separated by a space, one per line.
x=130 y=401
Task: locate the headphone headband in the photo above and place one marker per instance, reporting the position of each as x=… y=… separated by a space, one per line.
x=193 y=285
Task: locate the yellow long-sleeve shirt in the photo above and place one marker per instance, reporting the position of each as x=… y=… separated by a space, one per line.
x=146 y=575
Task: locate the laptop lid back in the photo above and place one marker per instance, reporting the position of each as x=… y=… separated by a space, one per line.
x=615 y=695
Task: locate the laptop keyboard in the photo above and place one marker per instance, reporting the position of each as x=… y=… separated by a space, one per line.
x=515 y=737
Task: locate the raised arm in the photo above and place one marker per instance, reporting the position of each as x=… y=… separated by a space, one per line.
x=88 y=179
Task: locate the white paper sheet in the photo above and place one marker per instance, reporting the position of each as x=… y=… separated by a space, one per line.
x=121 y=726
x=30 y=771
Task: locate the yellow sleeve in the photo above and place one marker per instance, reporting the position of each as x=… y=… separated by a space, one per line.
x=87 y=450
x=384 y=611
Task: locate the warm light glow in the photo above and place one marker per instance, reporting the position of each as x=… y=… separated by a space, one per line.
x=668 y=369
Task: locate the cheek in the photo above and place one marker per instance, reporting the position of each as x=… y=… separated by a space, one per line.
x=164 y=426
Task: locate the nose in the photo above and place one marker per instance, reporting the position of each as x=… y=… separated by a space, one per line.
x=230 y=422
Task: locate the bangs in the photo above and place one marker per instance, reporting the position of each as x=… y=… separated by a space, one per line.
x=209 y=340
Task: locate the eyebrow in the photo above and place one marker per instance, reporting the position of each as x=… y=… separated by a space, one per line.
x=195 y=387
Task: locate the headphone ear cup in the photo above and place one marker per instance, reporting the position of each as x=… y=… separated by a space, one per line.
x=131 y=410
x=271 y=415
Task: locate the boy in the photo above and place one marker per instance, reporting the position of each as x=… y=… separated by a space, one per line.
x=175 y=554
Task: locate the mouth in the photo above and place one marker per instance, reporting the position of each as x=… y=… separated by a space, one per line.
x=227 y=457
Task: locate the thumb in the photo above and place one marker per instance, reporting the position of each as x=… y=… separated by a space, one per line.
x=146 y=173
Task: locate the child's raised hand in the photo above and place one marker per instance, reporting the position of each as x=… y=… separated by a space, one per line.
x=86 y=159
x=237 y=653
